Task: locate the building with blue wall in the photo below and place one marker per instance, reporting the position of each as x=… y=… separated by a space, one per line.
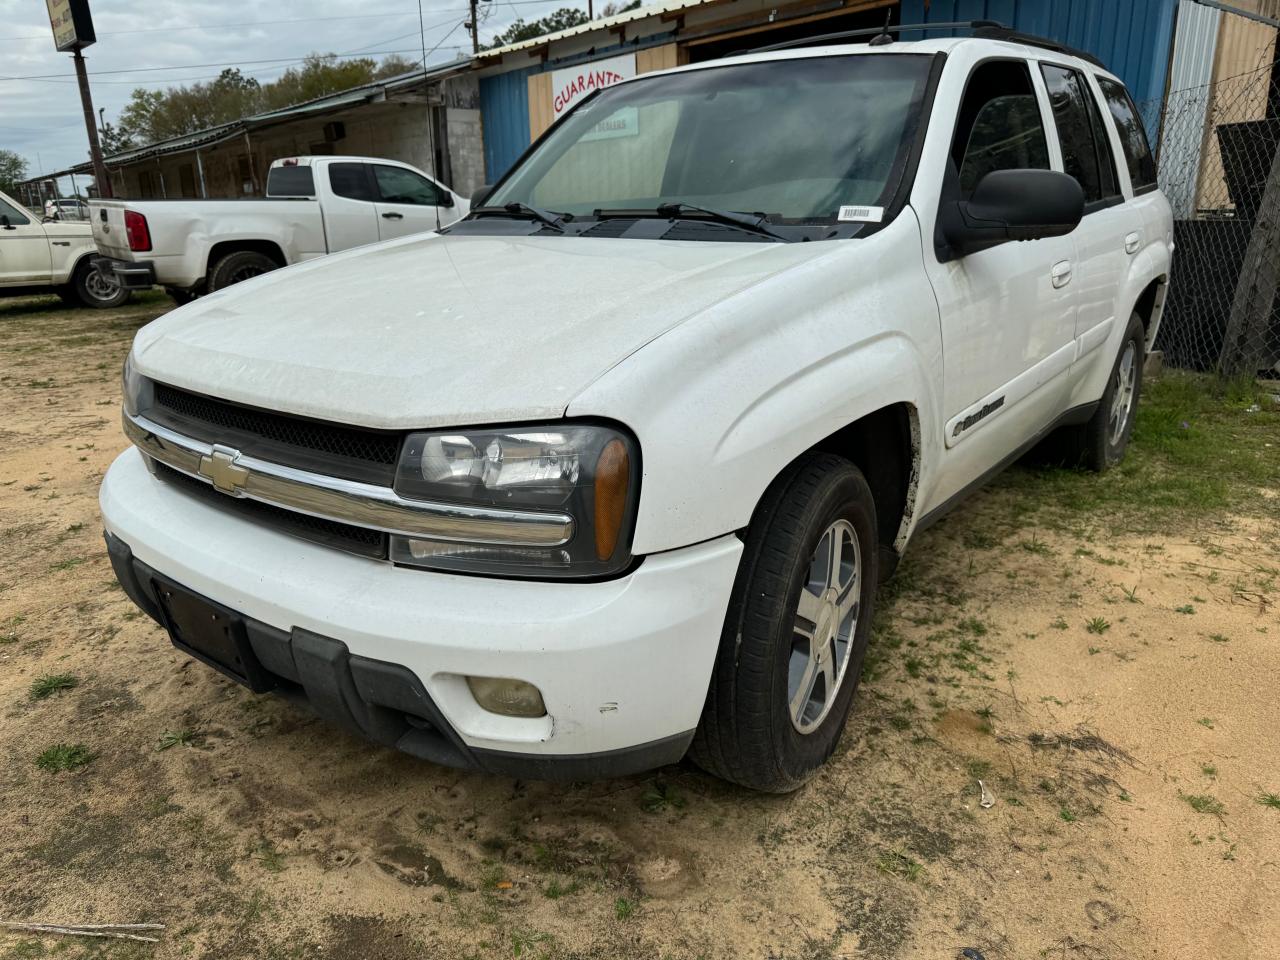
x=1132 y=37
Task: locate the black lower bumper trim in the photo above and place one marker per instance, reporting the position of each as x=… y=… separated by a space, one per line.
x=138 y=275
x=386 y=702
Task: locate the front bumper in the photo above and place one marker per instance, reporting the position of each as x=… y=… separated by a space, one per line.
x=137 y=275
x=623 y=665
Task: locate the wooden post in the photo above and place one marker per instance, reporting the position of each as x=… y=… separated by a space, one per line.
x=1255 y=296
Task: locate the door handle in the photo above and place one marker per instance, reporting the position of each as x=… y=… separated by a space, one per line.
x=393 y=216
x=1061 y=274
x=61 y=243
x=1132 y=242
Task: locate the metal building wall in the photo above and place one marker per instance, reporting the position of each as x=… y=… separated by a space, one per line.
x=1195 y=45
x=1132 y=37
x=504 y=113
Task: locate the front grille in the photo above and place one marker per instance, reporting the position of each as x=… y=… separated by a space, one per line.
x=352 y=453
x=331 y=533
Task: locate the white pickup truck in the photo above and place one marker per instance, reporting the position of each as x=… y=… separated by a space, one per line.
x=49 y=256
x=611 y=469
x=314 y=206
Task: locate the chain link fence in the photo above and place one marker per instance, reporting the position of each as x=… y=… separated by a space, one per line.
x=1218 y=167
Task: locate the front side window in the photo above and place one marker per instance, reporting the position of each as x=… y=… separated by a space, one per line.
x=1133 y=136
x=16 y=216
x=999 y=126
x=794 y=140
x=398 y=185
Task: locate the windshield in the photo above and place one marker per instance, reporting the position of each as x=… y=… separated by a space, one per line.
x=794 y=140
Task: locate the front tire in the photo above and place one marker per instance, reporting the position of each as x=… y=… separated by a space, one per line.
x=94 y=289
x=796 y=631
x=239 y=266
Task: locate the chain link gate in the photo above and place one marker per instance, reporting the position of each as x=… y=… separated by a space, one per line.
x=1220 y=168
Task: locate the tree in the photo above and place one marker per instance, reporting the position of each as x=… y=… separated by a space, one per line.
x=13 y=168
x=394 y=66
x=562 y=19
x=613 y=9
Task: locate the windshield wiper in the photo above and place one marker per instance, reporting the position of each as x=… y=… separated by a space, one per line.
x=546 y=217
x=756 y=223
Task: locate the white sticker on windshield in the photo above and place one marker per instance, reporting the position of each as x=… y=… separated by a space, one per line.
x=861 y=214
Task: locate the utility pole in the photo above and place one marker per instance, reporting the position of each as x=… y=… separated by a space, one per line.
x=474 y=26
x=95 y=148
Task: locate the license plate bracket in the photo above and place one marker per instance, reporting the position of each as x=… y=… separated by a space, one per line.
x=213 y=634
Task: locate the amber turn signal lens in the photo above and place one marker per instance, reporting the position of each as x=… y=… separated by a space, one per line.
x=613 y=475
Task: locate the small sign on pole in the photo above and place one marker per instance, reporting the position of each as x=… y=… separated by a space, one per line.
x=72 y=24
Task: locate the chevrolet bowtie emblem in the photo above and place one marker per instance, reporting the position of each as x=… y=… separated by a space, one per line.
x=220 y=466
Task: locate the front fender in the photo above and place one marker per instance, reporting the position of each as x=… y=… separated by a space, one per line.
x=722 y=403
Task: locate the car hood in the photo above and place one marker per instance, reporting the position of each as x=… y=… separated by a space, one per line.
x=444 y=330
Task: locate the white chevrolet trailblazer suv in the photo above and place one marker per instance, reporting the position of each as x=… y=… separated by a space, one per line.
x=608 y=471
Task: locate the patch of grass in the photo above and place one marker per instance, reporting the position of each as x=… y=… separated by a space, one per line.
x=51 y=683
x=1208 y=769
x=1185 y=608
x=1271 y=800
x=1060 y=624
x=176 y=738
x=554 y=889
x=1066 y=816
x=1098 y=625
x=68 y=564
x=623 y=908
x=1218 y=638
x=1036 y=546
x=63 y=756
x=973 y=625
x=270 y=858
x=1204 y=803
x=896 y=863
x=660 y=796
x=1131 y=594
x=1206 y=722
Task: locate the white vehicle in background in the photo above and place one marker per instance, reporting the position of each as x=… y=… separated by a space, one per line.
x=314 y=206
x=66 y=209
x=50 y=256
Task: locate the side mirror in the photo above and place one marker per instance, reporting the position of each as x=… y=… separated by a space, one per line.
x=1012 y=205
x=480 y=195
x=4 y=222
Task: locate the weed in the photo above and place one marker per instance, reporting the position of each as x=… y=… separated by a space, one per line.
x=1066 y=816
x=1038 y=547
x=1271 y=800
x=51 y=683
x=896 y=863
x=1131 y=594
x=1218 y=638
x=1208 y=769
x=661 y=796
x=1185 y=608
x=1203 y=803
x=523 y=944
x=554 y=890
x=973 y=625
x=63 y=756
x=1206 y=722
x=1098 y=625
x=270 y=858
x=68 y=564
x=975 y=540
x=1060 y=624
x=623 y=908
x=176 y=738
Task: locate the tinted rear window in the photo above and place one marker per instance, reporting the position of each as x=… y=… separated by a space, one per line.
x=290 y=182
x=1133 y=135
x=350 y=180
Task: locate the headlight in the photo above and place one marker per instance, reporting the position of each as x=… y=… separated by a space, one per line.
x=133 y=387
x=586 y=472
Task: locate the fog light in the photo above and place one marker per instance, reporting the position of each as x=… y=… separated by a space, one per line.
x=511 y=698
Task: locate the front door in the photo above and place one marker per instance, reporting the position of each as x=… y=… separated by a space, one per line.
x=408 y=202
x=24 y=248
x=1007 y=313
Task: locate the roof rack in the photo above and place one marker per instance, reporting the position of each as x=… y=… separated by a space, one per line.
x=983 y=29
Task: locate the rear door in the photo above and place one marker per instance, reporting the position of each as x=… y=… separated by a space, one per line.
x=349 y=207
x=408 y=202
x=1108 y=224
x=24 y=248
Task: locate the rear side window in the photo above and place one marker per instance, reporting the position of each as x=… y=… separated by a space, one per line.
x=398 y=185
x=350 y=180
x=16 y=216
x=291 y=182
x=1133 y=136
x=999 y=126
x=1085 y=153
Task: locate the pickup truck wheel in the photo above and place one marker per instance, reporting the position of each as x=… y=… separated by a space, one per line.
x=179 y=296
x=95 y=289
x=796 y=630
x=238 y=266
x=1101 y=443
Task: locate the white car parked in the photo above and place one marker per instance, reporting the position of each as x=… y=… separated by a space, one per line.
x=49 y=256
x=609 y=471
x=314 y=206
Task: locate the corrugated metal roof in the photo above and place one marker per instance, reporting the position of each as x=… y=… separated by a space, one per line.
x=334 y=101
x=641 y=13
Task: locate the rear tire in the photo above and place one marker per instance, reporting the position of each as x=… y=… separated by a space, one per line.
x=239 y=266
x=180 y=297
x=796 y=631
x=94 y=289
x=1101 y=443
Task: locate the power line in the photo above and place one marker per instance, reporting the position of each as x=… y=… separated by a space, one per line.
x=224 y=26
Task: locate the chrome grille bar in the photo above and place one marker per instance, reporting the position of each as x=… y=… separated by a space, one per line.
x=347 y=501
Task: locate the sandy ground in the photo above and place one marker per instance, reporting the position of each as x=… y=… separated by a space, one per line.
x=1117 y=695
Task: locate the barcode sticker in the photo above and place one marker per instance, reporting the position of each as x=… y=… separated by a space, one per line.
x=861 y=214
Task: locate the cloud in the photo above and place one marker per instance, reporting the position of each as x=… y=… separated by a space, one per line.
x=43 y=120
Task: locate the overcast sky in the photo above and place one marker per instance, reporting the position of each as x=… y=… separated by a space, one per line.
x=42 y=119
